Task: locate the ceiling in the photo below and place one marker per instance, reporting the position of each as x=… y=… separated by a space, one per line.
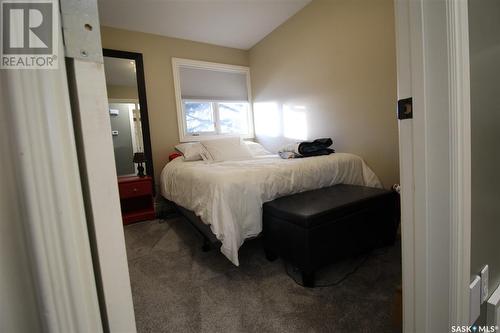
x=120 y=72
x=232 y=23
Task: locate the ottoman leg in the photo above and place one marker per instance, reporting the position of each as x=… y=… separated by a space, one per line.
x=308 y=279
x=270 y=255
x=206 y=245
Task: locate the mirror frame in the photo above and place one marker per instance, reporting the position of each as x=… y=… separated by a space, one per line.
x=141 y=91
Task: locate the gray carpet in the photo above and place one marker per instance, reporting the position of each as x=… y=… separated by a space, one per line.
x=178 y=288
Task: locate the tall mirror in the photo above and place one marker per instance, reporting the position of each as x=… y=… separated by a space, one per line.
x=128 y=112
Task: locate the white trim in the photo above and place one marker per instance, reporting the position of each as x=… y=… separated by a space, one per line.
x=99 y=180
x=404 y=72
x=48 y=183
x=123 y=100
x=436 y=239
x=178 y=100
x=406 y=163
x=215 y=109
x=251 y=128
x=176 y=64
x=419 y=209
x=128 y=101
x=460 y=160
x=213 y=100
x=132 y=128
x=215 y=66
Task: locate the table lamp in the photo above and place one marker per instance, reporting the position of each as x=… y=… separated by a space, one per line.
x=139 y=158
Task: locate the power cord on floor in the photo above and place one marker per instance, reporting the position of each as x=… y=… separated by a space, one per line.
x=343 y=278
x=336 y=283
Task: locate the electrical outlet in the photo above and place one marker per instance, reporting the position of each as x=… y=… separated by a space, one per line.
x=484 y=284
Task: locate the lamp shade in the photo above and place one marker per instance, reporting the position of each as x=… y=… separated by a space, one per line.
x=139 y=158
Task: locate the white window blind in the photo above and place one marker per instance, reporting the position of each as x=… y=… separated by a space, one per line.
x=213 y=99
x=208 y=84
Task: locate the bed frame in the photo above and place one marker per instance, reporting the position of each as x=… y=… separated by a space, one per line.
x=209 y=240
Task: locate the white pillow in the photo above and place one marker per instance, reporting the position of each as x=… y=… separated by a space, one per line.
x=257 y=149
x=226 y=149
x=191 y=150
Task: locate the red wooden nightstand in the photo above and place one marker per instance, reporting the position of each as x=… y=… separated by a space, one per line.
x=136 y=198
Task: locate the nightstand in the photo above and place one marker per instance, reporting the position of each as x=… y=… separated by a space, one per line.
x=136 y=198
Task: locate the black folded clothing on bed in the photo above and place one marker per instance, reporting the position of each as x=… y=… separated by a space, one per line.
x=307 y=149
x=316 y=147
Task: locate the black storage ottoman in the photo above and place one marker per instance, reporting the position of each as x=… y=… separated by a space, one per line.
x=314 y=228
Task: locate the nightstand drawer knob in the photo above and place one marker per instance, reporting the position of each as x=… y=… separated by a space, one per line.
x=135 y=189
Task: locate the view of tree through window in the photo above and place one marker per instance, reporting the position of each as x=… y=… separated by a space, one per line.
x=233 y=117
x=202 y=116
x=199 y=117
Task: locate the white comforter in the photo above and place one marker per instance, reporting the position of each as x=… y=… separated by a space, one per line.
x=229 y=195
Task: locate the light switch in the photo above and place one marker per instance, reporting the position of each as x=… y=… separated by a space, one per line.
x=475 y=300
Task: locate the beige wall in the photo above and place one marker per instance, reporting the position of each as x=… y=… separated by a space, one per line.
x=336 y=59
x=121 y=92
x=157 y=53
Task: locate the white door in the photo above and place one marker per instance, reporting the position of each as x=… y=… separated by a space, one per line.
x=60 y=205
x=432 y=54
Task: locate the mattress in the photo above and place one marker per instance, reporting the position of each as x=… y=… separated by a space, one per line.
x=229 y=195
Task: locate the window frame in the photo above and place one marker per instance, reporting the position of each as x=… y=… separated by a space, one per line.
x=216 y=116
x=183 y=115
x=184 y=136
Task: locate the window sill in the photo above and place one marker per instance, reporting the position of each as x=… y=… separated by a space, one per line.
x=196 y=138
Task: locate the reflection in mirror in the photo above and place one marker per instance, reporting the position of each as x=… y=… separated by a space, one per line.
x=124 y=112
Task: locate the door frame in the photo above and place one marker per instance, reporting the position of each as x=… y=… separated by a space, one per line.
x=416 y=24
x=419 y=24
x=460 y=131
x=135 y=102
x=92 y=129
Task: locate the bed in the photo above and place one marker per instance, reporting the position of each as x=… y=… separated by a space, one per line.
x=228 y=196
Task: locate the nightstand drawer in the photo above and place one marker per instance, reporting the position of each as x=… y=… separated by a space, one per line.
x=135 y=189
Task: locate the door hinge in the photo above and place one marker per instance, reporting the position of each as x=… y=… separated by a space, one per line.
x=81 y=30
x=405 y=108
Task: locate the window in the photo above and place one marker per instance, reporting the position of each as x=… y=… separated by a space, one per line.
x=212 y=100
x=199 y=117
